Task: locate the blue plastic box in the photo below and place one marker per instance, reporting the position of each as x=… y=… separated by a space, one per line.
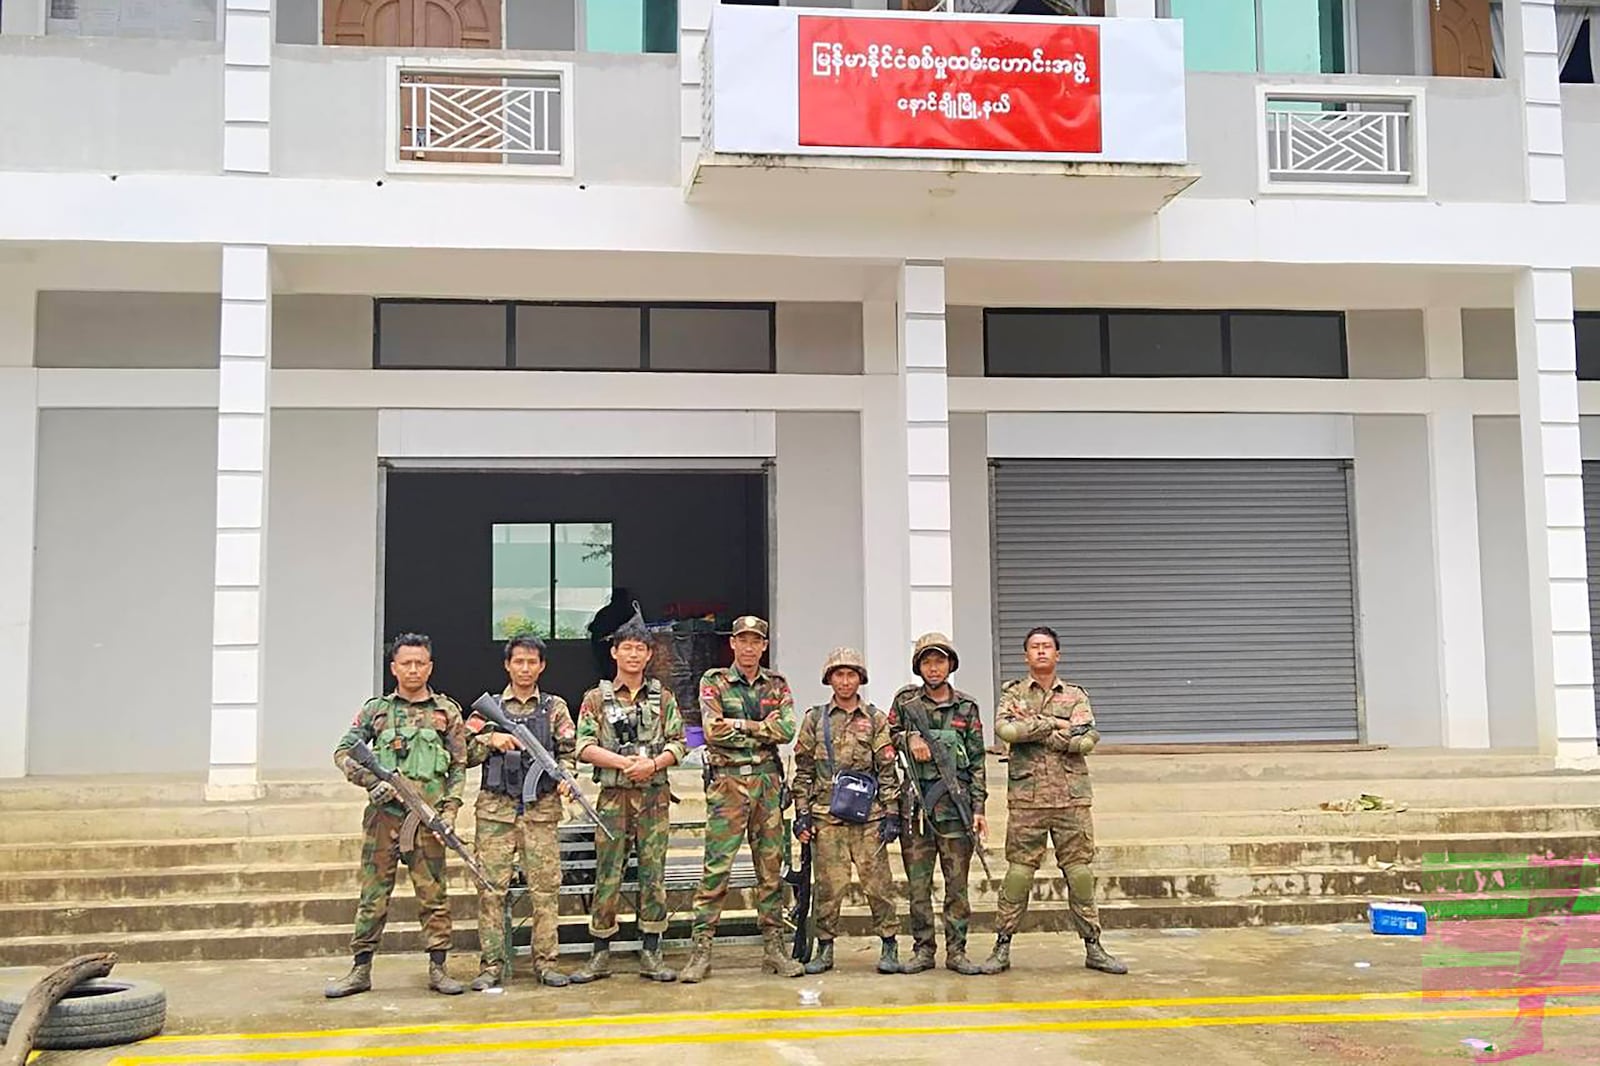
x=1398 y=919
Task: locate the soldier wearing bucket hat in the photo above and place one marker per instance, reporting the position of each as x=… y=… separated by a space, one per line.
x=922 y=716
x=747 y=711
x=847 y=796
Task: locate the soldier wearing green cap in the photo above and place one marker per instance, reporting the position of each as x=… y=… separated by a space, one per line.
x=747 y=712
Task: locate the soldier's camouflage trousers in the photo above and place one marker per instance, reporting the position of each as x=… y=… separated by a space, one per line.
x=535 y=838
x=640 y=819
x=954 y=855
x=833 y=850
x=1028 y=830
x=740 y=808
x=380 y=854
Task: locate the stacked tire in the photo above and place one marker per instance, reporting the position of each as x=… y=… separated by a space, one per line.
x=98 y=1013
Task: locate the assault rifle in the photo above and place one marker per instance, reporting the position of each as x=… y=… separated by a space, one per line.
x=487 y=707
x=799 y=879
x=948 y=784
x=421 y=809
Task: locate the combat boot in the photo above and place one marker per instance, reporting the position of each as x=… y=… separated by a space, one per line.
x=956 y=959
x=999 y=960
x=551 y=978
x=650 y=964
x=489 y=977
x=359 y=979
x=775 y=958
x=1096 y=957
x=699 y=964
x=921 y=959
x=889 y=956
x=822 y=961
x=440 y=981
x=598 y=968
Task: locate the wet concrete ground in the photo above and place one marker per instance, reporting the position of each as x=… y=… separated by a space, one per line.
x=1235 y=996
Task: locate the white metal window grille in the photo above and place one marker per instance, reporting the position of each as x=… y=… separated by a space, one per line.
x=1356 y=143
x=476 y=115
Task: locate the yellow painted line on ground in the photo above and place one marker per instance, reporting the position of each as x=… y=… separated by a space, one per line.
x=759 y=1036
x=890 y=1010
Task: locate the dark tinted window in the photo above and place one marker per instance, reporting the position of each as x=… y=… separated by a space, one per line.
x=1287 y=346
x=441 y=334
x=578 y=337
x=1586 y=326
x=711 y=338
x=1042 y=343
x=1166 y=345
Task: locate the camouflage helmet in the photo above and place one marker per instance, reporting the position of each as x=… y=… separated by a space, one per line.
x=844 y=657
x=933 y=642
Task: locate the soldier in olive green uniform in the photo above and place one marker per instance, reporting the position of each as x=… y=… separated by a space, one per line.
x=419 y=733
x=1050 y=728
x=935 y=712
x=747 y=712
x=631 y=730
x=507 y=827
x=848 y=736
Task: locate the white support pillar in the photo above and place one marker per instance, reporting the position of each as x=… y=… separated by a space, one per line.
x=1533 y=59
x=247 y=87
x=1457 y=581
x=927 y=414
x=24 y=18
x=884 y=503
x=243 y=409
x=19 y=440
x=694 y=22
x=1552 y=483
x=1131 y=9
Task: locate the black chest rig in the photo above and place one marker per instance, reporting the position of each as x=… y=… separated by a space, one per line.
x=505 y=771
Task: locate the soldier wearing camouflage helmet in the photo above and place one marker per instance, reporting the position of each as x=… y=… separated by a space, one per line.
x=747 y=712
x=848 y=736
x=1050 y=728
x=935 y=712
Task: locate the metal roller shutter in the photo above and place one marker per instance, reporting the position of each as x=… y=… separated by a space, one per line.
x=1591 y=530
x=1197 y=600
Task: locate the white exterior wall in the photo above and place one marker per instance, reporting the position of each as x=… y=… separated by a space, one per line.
x=19 y=414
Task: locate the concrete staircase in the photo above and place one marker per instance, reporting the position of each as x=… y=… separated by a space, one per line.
x=145 y=867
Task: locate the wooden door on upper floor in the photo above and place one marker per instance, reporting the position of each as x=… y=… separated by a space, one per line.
x=1462 y=43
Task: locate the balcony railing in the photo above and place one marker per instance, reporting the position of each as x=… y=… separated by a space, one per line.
x=1354 y=142
x=480 y=116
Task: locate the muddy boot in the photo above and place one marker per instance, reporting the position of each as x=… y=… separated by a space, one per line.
x=956 y=959
x=650 y=964
x=439 y=979
x=921 y=959
x=598 y=968
x=999 y=960
x=359 y=979
x=489 y=977
x=551 y=977
x=1096 y=957
x=822 y=961
x=889 y=956
x=775 y=957
x=699 y=964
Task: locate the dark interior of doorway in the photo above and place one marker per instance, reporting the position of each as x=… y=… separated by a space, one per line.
x=679 y=539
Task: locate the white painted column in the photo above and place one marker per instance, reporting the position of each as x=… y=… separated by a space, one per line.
x=247 y=87
x=1533 y=58
x=1552 y=473
x=884 y=501
x=927 y=413
x=1457 y=576
x=24 y=18
x=694 y=20
x=1131 y=9
x=19 y=441
x=243 y=408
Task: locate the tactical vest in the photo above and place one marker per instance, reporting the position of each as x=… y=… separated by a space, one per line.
x=636 y=730
x=418 y=752
x=504 y=772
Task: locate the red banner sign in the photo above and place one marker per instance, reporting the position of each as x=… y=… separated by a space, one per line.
x=950 y=84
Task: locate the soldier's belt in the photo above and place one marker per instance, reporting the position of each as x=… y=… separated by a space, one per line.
x=746 y=770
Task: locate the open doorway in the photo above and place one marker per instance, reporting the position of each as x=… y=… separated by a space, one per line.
x=471 y=556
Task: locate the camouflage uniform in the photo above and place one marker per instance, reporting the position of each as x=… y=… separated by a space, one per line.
x=506 y=830
x=638 y=815
x=957 y=726
x=743 y=796
x=1048 y=799
x=860 y=742
x=434 y=759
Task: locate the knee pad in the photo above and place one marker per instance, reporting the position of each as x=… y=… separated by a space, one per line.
x=1080 y=882
x=1018 y=883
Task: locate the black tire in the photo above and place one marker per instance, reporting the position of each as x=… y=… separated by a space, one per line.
x=99 y=1013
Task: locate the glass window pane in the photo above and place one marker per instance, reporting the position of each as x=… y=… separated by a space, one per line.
x=519 y=598
x=1217 y=34
x=578 y=337
x=1586 y=329
x=1031 y=343
x=1287 y=346
x=583 y=575
x=711 y=338
x=1169 y=345
x=1302 y=36
x=441 y=335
